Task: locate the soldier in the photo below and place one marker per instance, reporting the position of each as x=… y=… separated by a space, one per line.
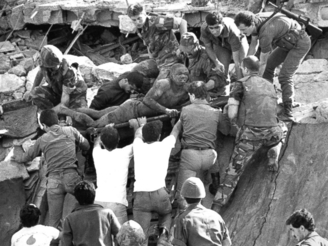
x=254 y=100
x=200 y=66
x=162 y=98
x=292 y=43
x=223 y=41
x=157 y=34
x=302 y=227
x=65 y=89
x=198 y=225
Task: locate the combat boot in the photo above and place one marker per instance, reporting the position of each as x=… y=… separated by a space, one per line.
x=287 y=114
x=273 y=156
x=213 y=188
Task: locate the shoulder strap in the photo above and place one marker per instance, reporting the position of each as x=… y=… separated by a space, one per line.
x=266 y=20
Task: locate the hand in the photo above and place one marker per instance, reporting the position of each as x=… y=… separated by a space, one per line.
x=84 y=119
x=110 y=125
x=134 y=123
x=219 y=68
x=142 y=121
x=68 y=90
x=172 y=112
x=179 y=54
x=27 y=96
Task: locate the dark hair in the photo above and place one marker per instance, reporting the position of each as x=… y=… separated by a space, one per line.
x=245 y=17
x=135 y=78
x=151 y=131
x=198 y=89
x=213 y=18
x=135 y=9
x=192 y=200
x=85 y=192
x=251 y=63
x=300 y=218
x=49 y=117
x=109 y=137
x=29 y=215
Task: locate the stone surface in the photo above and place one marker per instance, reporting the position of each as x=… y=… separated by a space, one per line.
x=6 y=46
x=16 y=19
x=10 y=82
x=108 y=71
x=263 y=200
x=12 y=170
x=12 y=200
x=4 y=64
x=18 y=70
x=30 y=78
x=27 y=63
x=320 y=49
x=21 y=122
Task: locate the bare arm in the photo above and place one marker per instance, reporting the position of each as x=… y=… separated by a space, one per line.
x=211 y=54
x=38 y=78
x=81 y=141
x=263 y=61
x=253 y=46
x=154 y=94
x=176 y=129
x=237 y=58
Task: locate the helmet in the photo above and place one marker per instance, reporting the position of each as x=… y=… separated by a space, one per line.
x=50 y=56
x=131 y=234
x=193 y=188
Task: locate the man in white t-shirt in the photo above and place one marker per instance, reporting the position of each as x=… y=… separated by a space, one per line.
x=112 y=166
x=151 y=160
x=32 y=233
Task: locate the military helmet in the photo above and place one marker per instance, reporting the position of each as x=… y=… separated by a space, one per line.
x=50 y=56
x=131 y=234
x=193 y=188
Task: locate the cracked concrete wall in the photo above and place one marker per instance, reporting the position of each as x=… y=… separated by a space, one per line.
x=263 y=201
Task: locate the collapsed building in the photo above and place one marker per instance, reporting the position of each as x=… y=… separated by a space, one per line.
x=88 y=31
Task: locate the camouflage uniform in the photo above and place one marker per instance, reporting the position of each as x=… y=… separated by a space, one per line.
x=48 y=96
x=158 y=36
x=259 y=127
x=131 y=234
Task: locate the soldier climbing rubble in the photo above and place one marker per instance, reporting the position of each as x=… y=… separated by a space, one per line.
x=253 y=106
x=65 y=87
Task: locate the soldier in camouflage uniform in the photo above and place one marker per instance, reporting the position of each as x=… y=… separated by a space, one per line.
x=131 y=234
x=254 y=99
x=65 y=89
x=200 y=65
x=157 y=34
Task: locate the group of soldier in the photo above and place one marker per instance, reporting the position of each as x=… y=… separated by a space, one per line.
x=185 y=76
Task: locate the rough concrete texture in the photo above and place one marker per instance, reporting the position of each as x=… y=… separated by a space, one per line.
x=6 y=46
x=18 y=70
x=4 y=64
x=311 y=81
x=10 y=82
x=108 y=71
x=12 y=200
x=12 y=170
x=20 y=123
x=263 y=200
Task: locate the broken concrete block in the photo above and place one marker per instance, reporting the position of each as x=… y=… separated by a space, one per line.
x=107 y=36
x=28 y=64
x=18 y=95
x=322 y=112
x=108 y=71
x=4 y=151
x=12 y=170
x=5 y=64
x=31 y=53
x=6 y=46
x=18 y=70
x=23 y=34
x=320 y=49
x=10 y=82
x=36 y=42
x=16 y=19
x=30 y=78
x=313 y=66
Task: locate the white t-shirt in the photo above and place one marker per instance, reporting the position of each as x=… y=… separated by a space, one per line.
x=112 y=173
x=38 y=235
x=151 y=162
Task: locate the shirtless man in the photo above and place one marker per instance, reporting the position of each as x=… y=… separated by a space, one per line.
x=162 y=98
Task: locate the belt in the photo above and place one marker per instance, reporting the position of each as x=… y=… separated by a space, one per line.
x=196 y=148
